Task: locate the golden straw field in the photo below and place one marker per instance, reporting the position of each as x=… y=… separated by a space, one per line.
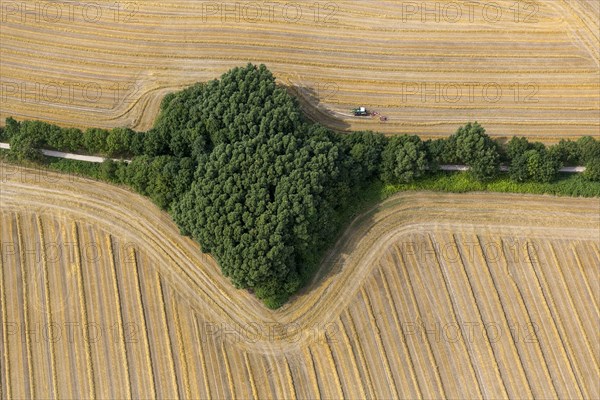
x=519 y=68
x=425 y=296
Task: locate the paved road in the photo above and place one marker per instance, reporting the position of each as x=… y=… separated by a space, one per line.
x=95 y=159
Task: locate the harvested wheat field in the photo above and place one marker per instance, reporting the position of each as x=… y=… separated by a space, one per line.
x=428 y=295
x=527 y=68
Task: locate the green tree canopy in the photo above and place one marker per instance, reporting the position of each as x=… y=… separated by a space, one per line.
x=244 y=102
x=404 y=159
x=592 y=170
x=267 y=185
x=535 y=165
x=517 y=146
x=264 y=190
x=476 y=149
x=365 y=148
x=589 y=149
x=26 y=139
x=567 y=152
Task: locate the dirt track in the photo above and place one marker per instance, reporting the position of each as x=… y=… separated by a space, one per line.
x=430 y=265
x=531 y=71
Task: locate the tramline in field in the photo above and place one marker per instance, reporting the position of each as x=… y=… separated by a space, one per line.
x=524 y=68
x=413 y=301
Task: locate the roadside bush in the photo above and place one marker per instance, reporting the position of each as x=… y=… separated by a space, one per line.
x=567 y=152
x=536 y=165
x=592 y=171
x=26 y=143
x=118 y=142
x=436 y=150
x=477 y=150
x=94 y=140
x=516 y=147
x=589 y=149
x=366 y=149
x=404 y=159
x=11 y=128
x=265 y=191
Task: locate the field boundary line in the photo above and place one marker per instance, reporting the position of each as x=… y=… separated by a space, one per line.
x=168 y=336
x=202 y=359
x=388 y=295
x=567 y=351
x=116 y=288
x=382 y=350
x=361 y=355
x=515 y=349
x=587 y=285
x=24 y=275
x=274 y=373
x=184 y=364
x=313 y=373
x=5 y=354
x=250 y=376
x=142 y=310
x=398 y=256
x=48 y=304
x=230 y=383
x=523 y=304
x=572 y=304
x=83 y=309
x=353 y=358
x=449 y=296
x=290 y=378
x=490 y=347
x=333 y=365
x=297 y=313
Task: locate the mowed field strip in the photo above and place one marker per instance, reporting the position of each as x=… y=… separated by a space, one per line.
x=427 y=295
x=528 y=68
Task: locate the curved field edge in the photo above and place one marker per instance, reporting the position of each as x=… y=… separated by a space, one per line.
x=379 y=323
x=199 y=279
x=557 y=54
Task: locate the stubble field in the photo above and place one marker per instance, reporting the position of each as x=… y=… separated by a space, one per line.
x=427 y=295
x=527 y=68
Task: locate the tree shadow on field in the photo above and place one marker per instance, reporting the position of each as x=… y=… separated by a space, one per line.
x=311 y=101
x=342 y=247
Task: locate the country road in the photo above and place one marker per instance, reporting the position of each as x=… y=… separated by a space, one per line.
x=504 y=168
x=68 y=156
x=96 y=159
